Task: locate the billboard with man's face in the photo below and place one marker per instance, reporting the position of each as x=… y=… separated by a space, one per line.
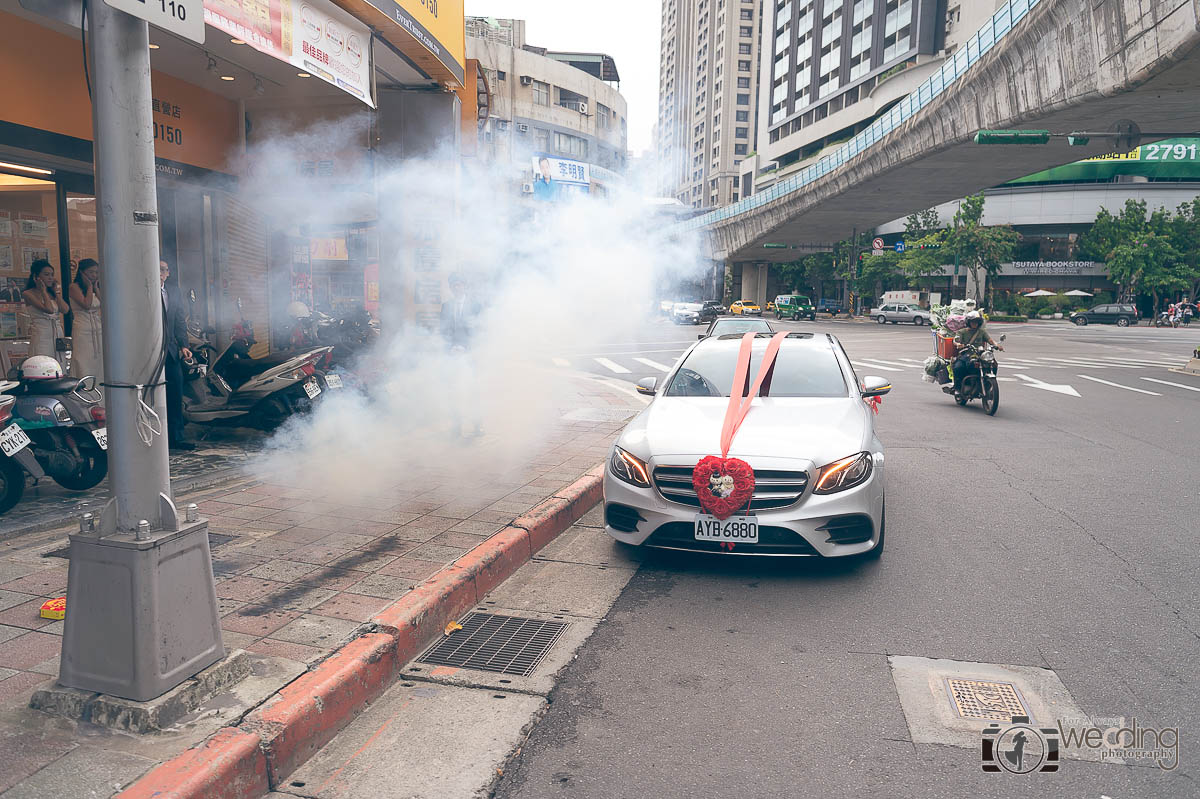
x=553 y=177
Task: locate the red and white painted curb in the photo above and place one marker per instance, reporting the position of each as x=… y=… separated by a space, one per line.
x=258 y=755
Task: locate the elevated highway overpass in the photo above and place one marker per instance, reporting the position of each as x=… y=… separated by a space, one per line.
x=1061 y=65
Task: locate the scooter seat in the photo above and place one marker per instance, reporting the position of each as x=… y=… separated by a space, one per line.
x=60 y=385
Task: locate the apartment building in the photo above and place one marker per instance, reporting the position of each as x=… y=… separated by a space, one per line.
x=545 y=102
x=831 y=67
x=708 y=75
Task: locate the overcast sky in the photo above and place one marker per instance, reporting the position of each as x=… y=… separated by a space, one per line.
x=627 y=30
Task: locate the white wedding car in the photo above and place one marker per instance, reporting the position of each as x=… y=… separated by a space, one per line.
x=809 y=437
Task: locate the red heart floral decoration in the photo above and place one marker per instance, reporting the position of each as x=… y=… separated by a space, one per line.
x=723 y=485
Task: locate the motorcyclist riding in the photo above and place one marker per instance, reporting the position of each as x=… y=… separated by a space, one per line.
x=974 y=334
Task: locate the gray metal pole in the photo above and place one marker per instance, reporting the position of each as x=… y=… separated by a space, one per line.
x=143 y=615
x=131 y=304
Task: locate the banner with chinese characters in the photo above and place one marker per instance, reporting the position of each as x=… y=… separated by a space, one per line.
x=555 y=177
x=314 y=36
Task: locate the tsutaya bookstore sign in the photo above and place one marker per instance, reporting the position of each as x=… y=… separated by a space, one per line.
x=312 y=35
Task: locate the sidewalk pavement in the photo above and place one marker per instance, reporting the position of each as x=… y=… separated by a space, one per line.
x=218 y=459
x=299 y=573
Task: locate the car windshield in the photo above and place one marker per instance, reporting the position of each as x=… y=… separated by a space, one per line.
x=803 y=369
x=688 y=306
x=724 y=327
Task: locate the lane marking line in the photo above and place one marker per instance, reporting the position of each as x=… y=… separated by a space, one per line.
x=868 y=365
x=1169 y=383
x=653 y=364
x=611 y=366
x=1118 y=385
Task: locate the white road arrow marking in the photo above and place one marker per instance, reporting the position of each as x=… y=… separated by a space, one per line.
x=1118 y=385
x=1032 y=383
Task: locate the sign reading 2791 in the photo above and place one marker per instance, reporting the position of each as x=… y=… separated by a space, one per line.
x=181 y=17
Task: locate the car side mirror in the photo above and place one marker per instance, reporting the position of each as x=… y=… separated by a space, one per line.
x=1003 y=336
x=875 y=386
x=648 y=385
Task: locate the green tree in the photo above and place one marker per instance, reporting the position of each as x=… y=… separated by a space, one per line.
x=1147 y=262
x=981 y=248
x=876 y=274
x=1185 y=237
x=920 y=225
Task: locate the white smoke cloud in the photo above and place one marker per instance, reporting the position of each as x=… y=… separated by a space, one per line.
x=550 y=279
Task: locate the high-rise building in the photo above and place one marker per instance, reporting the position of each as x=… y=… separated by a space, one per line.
x=830 y=67
x=708 y=76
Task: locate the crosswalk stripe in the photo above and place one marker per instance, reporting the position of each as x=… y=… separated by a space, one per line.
x=1072 y=362
x=1168 y=383
x=611 y=366
x=653 y=364
x=561 y=362
x=1118 y=385
x=867 y=365
x=892 y=363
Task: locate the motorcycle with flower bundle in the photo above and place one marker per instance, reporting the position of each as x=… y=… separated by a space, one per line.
x=977 y=380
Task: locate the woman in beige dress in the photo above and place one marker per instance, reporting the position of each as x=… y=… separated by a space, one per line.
x=45 y=306
x=87 y=354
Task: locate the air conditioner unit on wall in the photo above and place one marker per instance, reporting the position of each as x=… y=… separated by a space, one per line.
x=526 y=80
x=527 y=188
x=583 y=108
x=522 y=128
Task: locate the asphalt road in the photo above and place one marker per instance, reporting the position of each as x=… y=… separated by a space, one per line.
x=1060 y=534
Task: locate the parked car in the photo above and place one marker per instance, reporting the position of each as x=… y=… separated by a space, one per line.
x=746 y=307
x=1120 y=315
x=692 y=313
x=729 y=326
x=810 y=439
x=895 y=312
x=771 y=306
x=829 y=306
x=795 y=307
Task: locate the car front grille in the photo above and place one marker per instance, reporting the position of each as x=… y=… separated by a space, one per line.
x=771 y=541
x=772 y=488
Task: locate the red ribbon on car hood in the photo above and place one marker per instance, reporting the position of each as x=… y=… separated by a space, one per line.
x=739 y=401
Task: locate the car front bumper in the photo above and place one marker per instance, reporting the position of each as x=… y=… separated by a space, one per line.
x=802 y=529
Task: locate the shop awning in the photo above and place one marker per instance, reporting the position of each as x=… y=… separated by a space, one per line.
x=431 y=35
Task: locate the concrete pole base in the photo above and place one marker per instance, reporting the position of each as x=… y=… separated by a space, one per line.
x=157 y=714
x=141 y=614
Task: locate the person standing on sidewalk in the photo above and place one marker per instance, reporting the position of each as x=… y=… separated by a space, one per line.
x=175 y=341
x=44 y=306
x=87 y=356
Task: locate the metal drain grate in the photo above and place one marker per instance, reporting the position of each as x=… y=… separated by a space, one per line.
x=490 y=642
x=980 y=699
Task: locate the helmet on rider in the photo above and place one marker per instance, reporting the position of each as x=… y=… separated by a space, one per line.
x=298 y=310
x=41 y=367
x=974 y=319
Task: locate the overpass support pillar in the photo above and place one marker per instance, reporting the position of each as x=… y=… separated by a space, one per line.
x=754 y=283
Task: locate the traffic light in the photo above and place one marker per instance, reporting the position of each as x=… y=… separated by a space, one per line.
x=1012 y=137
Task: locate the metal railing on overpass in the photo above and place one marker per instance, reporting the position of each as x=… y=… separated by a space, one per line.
x=995 y=29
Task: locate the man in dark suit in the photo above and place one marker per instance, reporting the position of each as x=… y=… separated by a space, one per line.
x=175 y=341
x=458 y=315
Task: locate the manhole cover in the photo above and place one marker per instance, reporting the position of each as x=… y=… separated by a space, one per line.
x=490 y=642
x=980 y=699
x=600 y=414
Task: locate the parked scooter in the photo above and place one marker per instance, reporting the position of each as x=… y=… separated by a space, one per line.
x=233 y=386
x=65 y=421
x=16 y=456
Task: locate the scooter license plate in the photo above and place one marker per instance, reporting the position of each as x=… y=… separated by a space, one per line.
x=12 y=440
x=311 y=388
x=101 y=436
x=333 y=381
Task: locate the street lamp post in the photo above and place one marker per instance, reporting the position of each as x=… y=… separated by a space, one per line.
x=142 y=615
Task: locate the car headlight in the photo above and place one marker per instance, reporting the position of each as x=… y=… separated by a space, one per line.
x=629 y=468
x=846 y=473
